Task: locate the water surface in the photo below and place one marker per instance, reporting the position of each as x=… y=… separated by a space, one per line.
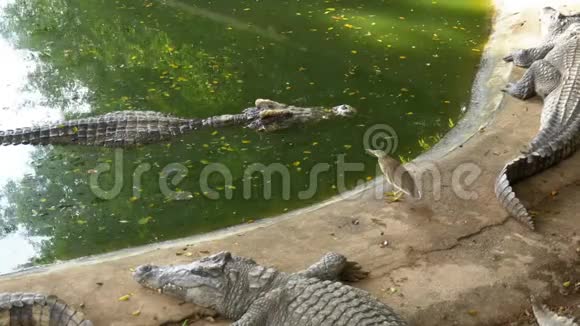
x=408 y=64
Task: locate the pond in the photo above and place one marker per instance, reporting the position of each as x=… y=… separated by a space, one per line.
x=405 y=64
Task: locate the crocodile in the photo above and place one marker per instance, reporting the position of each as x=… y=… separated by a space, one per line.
x=553 y=74
x=18 y=309
x=239 y=289
x=125 y=128
x=545 y=317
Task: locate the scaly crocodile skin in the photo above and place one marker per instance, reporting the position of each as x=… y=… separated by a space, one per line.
x=554 y=75
x=26 y=309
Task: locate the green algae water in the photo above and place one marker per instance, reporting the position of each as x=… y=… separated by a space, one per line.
x=406 y=64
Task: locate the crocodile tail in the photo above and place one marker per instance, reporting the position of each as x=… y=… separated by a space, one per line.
x=504 y=192
x=528 y=165
x=114 y=129
x=35 y=135
x=81 y=131
x=38 y=309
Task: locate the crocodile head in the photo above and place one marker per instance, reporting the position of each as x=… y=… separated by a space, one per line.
x=202 y=282
x=550 y=18
x=344 y=110
x=553 y=22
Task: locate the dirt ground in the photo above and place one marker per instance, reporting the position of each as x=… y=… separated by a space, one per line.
x=449 y=261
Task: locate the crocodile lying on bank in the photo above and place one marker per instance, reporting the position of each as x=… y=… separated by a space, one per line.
x=18 y=309
x=124 y=128
x=554 y=74
x=239 y=289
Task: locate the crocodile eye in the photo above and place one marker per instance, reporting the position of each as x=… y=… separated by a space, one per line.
x=144 y=268
x=199 y=272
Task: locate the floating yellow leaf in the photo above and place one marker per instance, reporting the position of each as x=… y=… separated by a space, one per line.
x=214 y=133
x=402 y=57
x=245 y=141
x=354 y=51
x=145 y=220
x=297 y=163
x=348 y=26
x=133 y=199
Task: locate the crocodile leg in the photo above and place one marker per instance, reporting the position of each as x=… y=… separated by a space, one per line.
x=541 y=78
x=261 y=310
x=526 y=57
x=335 y=267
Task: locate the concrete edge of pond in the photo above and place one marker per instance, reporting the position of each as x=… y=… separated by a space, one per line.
x=484 y=103
x=445 y=261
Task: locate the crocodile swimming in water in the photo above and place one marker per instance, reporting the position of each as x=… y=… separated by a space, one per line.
x=18 y=309
x=239 y=289
x=125 y=128
x=553 y=74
